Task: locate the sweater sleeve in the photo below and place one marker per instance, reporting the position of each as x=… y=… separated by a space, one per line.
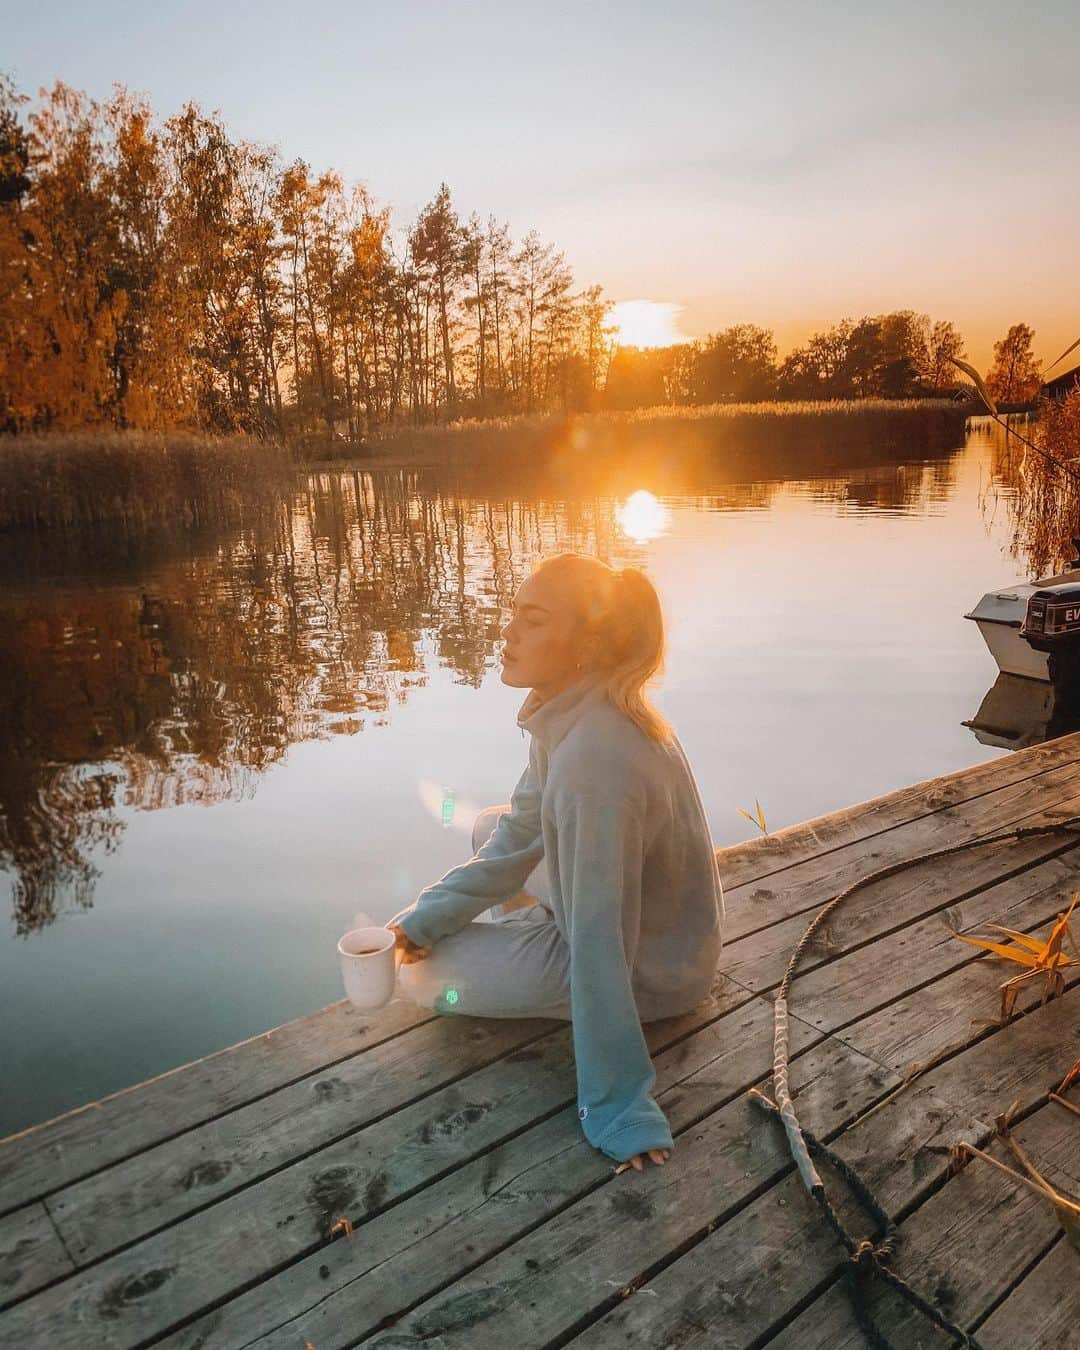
x=601 y=855
x=495 y=872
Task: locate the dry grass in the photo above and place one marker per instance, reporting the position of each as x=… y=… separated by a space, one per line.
x=915 y=423
x=136 y=482
x=1045 y=479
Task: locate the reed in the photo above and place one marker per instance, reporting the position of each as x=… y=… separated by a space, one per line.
x=137 y=483
x=914 y=423
x=1047 y=486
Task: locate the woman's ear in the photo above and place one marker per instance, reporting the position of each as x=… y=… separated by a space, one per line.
x=589 y=652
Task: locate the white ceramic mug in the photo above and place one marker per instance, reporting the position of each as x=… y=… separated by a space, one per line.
x=368 y=965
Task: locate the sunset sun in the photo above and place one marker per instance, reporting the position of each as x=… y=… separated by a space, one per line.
x=646 y=323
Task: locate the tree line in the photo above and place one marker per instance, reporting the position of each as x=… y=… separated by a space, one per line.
x=897 y=355
x=162 y=273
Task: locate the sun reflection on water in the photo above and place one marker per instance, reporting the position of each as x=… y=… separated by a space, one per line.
x=643 y=517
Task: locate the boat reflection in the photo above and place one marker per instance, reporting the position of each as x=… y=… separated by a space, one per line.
x=1017 y=712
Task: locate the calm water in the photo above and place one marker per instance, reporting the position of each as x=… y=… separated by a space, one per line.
x=214 y=757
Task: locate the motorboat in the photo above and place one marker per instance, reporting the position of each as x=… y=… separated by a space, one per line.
x=1033 y=628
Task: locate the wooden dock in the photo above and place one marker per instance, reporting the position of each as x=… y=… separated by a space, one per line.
x=198 y=1209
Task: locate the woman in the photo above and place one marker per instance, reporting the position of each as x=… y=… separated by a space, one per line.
x=607 y=832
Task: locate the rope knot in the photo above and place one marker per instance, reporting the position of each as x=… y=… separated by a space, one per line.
x=866 y=1257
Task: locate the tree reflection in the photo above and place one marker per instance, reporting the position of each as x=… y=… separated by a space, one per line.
x=187 y=680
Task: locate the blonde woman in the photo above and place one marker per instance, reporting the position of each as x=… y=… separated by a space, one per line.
x=601 y=872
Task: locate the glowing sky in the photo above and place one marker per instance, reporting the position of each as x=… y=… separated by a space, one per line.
x=781 y=163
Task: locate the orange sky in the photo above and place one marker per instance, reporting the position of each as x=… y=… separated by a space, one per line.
x=783 y=164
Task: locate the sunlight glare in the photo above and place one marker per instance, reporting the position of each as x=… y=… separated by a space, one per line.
x=646 y=323
x=443 y=805
x=642 y=517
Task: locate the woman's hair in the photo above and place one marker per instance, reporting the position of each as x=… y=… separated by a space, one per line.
x=623 y=627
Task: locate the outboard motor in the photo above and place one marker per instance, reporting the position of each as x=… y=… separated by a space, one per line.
x=1052 y=625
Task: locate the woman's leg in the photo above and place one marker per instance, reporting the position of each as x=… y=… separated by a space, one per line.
x=537 y=887
x=518 y=966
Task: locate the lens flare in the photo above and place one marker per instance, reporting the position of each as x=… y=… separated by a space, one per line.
x=642 y=517
x=444 y=805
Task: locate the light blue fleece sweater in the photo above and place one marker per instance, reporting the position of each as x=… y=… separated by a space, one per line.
x=635 y=893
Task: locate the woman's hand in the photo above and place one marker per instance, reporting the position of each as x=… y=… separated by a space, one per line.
x=658 y=1155
x=405 y=949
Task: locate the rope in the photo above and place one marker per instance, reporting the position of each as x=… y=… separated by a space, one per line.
x=867 y=1259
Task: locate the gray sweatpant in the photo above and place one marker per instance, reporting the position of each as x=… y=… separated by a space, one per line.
x=507 y=963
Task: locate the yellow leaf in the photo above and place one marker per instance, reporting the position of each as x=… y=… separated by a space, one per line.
x=758 y=820
x=1033 y=944
x=1016 y=954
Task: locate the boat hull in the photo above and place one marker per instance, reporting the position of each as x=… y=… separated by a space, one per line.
x=1013 y=655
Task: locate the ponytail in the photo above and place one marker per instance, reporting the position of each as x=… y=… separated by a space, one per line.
x=637 y=640
x=622 y=634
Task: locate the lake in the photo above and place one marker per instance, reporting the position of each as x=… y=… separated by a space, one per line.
x=215 y=755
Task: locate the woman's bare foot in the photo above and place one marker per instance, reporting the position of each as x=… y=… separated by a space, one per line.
x=658 y=1155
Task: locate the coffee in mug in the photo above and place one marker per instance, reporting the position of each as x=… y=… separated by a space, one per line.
x=368 y=967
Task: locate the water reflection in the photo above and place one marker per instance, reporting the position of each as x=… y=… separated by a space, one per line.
x=1017 y=712
x=183 y=678
x=642 y=517
x=1040 y=502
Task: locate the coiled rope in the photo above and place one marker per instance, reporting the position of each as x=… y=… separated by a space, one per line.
x=867 y=1259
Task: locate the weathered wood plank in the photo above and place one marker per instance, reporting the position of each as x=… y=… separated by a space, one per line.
x=31 y=1253
x=541 y=1284
x=808 y=885
x=964 y=1248
x=759 y=960
x=430 y=1255
x=50 y=1155
x=1044 y=1309
x=918 y=1028
x=576 y=1266
x=430 y=1237
x=843 y=991
x=738 y=1285
x=780 y=849
x=160 y=1185
x=143 y=1290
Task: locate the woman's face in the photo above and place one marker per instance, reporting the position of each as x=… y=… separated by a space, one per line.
x=540 y=648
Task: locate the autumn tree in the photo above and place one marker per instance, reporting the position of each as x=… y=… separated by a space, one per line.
x=878 y=356
x=943 y=344
x=59 y=311
x=1014 y=376
x=150 y=354
x=498 y=249
x=540 y=289
x=819 y=369
x=436 y=249
x=737 y=365
x=14 y=149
